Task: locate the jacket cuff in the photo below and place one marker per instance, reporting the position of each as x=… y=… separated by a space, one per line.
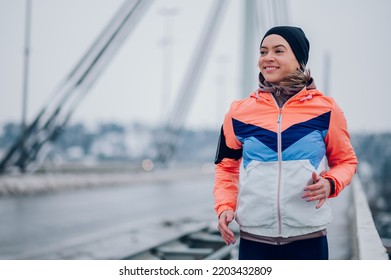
x=223 y=208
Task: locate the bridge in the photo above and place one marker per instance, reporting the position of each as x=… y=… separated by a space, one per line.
x=147 y=215
x=47 y=216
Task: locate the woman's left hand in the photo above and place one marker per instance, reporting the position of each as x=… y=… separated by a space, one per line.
x=319 y=190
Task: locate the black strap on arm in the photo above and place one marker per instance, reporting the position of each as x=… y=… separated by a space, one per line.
x=223 y=151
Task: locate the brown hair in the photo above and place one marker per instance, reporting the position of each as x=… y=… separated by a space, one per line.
x=297 y=79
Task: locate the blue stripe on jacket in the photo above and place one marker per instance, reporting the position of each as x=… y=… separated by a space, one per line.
x=303 y=140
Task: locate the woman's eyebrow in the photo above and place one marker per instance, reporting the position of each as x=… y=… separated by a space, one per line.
x=274 y=47
x=277 y=46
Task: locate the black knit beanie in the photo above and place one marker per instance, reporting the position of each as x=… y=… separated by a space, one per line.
x=297 y=40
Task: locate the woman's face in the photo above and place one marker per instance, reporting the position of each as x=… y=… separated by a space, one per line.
x=276 y=59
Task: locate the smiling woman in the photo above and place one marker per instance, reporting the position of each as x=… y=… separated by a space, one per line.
x=278 y=57
x=276 y=60
x=62 y=30
x=283 y=152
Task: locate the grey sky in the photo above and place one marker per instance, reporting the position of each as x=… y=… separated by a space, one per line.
x=354 y=33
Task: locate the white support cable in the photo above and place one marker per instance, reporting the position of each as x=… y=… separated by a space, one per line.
x=287 y=12
x=259 y=20
x=250 y=47
x=274 y=11
x=60 y=105
x=197 y=64
x=98 y=56
x=63 y=91
x=189 y=85
x=269 y=13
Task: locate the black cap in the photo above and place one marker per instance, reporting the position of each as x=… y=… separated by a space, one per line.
x=297 y=40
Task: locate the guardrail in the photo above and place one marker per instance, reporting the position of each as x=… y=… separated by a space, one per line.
x=367 y=244
x=201 y=243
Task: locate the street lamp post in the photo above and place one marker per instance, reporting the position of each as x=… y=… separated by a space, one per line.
x=25 y=78
x=167 y=65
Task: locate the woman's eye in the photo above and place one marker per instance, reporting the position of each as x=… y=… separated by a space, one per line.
x=263 y=52
x=279 y=51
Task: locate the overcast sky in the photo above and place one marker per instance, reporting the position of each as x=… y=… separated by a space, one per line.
x=354 y=33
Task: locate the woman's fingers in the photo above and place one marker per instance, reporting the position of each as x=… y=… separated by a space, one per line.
x=319 y=190
x=225 y=219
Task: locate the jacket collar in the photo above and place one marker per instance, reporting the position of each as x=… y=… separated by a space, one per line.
x=282 y=94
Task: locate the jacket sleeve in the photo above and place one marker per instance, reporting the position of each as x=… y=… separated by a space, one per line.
x=228 y=158
x=341 y=157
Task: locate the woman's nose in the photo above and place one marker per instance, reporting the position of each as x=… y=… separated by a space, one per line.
x=268 y=57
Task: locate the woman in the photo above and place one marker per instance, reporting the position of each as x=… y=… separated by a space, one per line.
x=282 y=153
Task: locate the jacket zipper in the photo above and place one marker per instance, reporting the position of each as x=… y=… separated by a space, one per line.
x=279 y=154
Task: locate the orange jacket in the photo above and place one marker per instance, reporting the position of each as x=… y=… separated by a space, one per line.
x=266 y=156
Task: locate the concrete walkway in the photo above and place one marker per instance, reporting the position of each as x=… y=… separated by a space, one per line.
x=340 y=229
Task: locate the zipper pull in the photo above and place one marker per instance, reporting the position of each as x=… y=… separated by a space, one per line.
x=308 y=97
x=279 y=116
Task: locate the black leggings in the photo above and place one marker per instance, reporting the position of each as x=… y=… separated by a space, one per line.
x=309 y=249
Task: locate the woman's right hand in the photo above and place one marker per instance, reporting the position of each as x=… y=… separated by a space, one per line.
x=225 y=219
